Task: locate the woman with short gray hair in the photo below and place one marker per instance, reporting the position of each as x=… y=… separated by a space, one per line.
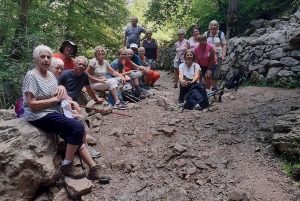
x=181 y=46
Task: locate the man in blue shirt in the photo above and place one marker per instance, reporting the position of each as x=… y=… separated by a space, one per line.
x=74 y=80
x=132 y=33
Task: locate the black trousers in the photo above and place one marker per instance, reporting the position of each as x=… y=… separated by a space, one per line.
x=183 y=91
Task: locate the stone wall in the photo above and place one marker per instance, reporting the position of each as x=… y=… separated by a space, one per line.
x=275 y=45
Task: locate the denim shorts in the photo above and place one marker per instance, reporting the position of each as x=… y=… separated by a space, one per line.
x=151 y=62
x=204 y=69
x=176 y=64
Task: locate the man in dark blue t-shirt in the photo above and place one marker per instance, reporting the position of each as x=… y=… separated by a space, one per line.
x=74 y=80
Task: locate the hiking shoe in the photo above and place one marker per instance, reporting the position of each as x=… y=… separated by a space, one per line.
x=214 y=89
x=180 y=103
x=70 y=171
x=120 y=106
x=94 y=174
x=141 y=95
x=124 y=102
x=175 y=86
x=93 y=152
x=151 y=84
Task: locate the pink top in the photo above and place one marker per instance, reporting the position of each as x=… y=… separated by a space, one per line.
x=180 y=49
x=203 y=55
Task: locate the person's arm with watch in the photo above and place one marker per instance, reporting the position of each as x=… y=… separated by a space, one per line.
x=211 y=63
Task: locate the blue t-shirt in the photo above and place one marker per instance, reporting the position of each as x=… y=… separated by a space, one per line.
x=73 y=83
x=117 y=66
x=133 y=34
x=135 y=59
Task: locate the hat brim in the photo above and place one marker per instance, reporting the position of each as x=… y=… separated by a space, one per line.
x=67 y=42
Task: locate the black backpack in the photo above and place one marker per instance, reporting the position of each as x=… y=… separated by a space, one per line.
x=197 y=95
x=234 y=81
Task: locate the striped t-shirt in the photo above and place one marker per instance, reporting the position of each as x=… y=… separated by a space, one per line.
x=41 y=88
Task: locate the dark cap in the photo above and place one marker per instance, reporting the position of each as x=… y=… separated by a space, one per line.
x=67 y=42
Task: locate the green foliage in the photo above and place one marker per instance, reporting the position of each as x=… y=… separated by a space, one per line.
x=289 y=83
x=87 y=23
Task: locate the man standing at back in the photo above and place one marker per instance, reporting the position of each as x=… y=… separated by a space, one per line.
x=132 y=33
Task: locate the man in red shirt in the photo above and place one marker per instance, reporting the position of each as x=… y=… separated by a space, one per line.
x=67 y=50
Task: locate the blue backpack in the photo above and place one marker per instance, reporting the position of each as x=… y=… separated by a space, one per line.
x=197 y=95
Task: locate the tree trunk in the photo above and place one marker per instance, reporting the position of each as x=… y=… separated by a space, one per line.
x=232 y=19
x=20 y=31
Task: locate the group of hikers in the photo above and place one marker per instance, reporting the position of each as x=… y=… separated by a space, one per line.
x=51 y=89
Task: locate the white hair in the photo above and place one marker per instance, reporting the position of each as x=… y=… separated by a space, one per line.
x=213 y=22
x=56 y=61
x=38 y=49
x=141 y=49
x=129 y=51
x=81 y=57
x=98 y=48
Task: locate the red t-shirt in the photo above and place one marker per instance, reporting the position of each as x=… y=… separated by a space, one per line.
x=68 y=62
x=127 y=65
x=203 y=55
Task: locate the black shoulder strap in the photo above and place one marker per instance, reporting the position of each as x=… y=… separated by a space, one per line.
x=207 y=33
x=219 y=34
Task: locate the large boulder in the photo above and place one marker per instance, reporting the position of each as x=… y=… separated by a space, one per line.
x=26 y=160
x=6 y=115
x=286 y=136
x=272 y=74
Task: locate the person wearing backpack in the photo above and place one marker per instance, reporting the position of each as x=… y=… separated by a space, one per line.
x=217 y=38
x=188 y=74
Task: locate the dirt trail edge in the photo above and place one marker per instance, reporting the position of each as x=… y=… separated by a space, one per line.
x=159 y=154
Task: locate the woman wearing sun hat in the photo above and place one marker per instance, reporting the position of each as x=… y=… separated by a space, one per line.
x=67 y=50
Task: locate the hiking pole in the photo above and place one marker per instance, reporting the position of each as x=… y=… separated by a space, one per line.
x=104 y=111
x=82 y=166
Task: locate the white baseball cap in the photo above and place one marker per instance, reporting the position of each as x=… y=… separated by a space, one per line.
x=133 y=45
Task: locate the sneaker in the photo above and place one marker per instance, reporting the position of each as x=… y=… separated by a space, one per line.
x=70 y=171
x=214 y=89
x=175 y=86
x=151 y=84
x=93 y=153
x=120 y=106
x=94 y=174
x=124 y=102
x=180 y=103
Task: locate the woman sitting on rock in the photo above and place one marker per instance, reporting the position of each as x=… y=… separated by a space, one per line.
x=97 y=70
x=42 y=98
x=152 y=76
x=188 y=74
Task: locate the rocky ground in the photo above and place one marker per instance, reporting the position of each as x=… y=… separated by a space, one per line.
x=221 y=154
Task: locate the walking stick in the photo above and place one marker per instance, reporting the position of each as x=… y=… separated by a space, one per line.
x=104 y=111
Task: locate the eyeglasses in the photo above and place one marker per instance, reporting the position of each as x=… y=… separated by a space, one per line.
x=80 y=64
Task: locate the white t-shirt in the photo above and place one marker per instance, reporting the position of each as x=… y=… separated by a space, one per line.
x=217 y=42
x=189 y=72
x=192 y=43
x=99 y=70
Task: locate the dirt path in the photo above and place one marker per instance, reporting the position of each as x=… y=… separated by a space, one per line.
x=209 y=155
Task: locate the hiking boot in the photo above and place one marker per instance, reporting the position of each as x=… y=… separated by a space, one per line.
x=70 y=171
x=94 y=174
x=141 y=95
x=93 y=153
